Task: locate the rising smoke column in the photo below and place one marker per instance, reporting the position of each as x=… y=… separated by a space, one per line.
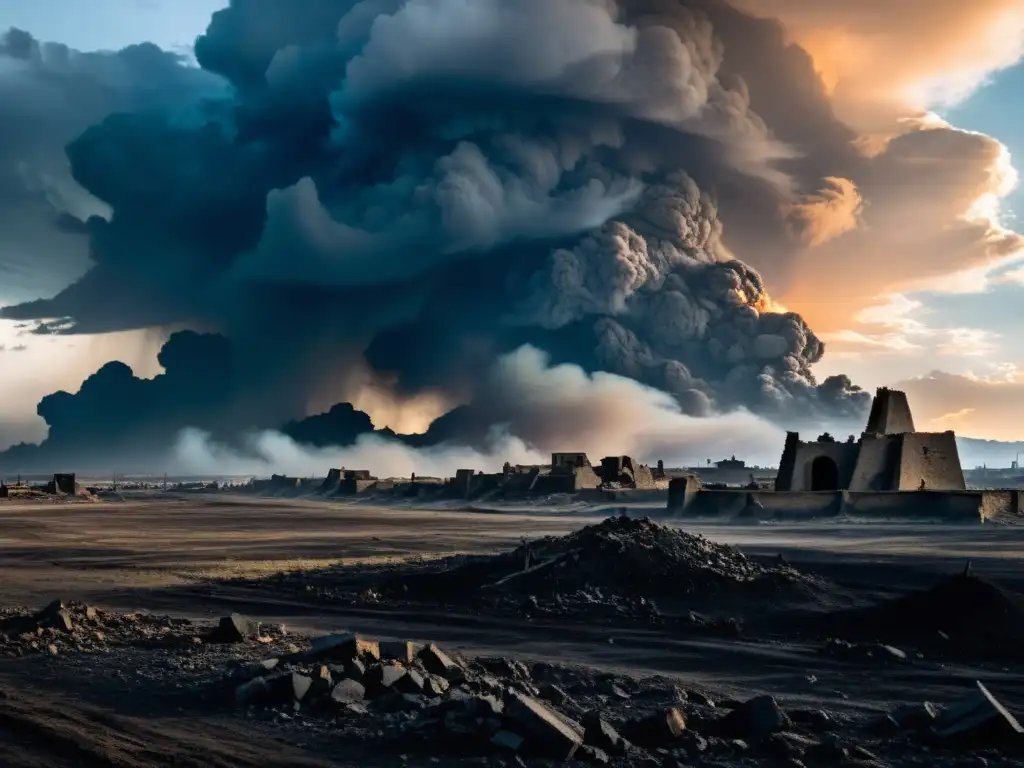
x=424 y=186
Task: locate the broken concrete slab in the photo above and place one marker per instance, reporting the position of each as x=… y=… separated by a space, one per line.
x=978 y=718
x=437 y=662
x=412 y=681
x=398 y=650
x=546 y=732
x=342 y=646
x=381 y=678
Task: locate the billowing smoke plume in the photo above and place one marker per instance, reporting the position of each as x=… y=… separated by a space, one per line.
x=419 y=188
x=528 y=408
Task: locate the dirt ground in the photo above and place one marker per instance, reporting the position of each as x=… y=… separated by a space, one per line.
x=205 y=556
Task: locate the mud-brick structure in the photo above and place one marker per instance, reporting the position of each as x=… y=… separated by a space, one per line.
x=355 y=481
x=892 y=472
x=62 y=484
x=627 y=472
x=889 y=456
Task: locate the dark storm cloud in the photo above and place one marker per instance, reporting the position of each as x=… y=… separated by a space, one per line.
x=426 y=186
x=50 y=94
x=116 y=416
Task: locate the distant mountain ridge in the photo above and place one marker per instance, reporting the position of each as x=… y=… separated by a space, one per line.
x=975 y=452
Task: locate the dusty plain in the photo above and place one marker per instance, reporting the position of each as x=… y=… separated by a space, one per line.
x=204 y=556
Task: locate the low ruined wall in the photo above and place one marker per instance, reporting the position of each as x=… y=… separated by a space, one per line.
x=1001 y=504
x=947 y=506
x=953 y=506
x=638 y=495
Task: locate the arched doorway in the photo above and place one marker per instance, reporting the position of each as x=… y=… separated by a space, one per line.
x=824 y=474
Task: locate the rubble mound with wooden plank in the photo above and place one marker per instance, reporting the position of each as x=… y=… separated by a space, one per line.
x=624 y=557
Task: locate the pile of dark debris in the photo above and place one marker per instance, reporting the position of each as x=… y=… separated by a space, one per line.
x=414 y=700
x=419 y=698
x=62 y=626
x=622 y=569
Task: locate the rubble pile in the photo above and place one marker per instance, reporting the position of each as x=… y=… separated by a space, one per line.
x=420 y=699
x=416 y=704
x=622 y=569
x=634 y=566
x=69 y=626
x=962 y=615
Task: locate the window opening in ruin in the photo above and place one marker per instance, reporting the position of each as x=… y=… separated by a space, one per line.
x=824 y=474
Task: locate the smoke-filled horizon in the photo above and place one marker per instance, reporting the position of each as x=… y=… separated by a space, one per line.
x=555 y=219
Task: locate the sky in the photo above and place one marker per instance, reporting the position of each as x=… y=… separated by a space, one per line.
x=906 y=262
x=111 y=24
x=45 y=364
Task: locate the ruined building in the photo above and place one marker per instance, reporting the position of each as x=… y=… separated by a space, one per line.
x=889 y=456
x=626 y=472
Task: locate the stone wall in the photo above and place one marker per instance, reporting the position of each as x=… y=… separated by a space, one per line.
x=843 y=454
x=945 y=506
x=878 y=462
x=931 y=457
